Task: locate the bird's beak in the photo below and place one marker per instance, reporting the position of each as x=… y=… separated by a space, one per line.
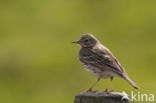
x=75 y=41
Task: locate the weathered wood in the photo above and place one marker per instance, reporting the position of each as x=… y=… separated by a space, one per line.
x=97 y=97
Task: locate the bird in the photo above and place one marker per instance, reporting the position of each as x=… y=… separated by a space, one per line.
x=98 y=60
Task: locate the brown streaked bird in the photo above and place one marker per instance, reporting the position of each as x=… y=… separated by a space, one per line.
x=99 y=61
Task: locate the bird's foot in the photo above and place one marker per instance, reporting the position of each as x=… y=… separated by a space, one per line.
x=95 y=91
x=107 y=91
x=90 y=90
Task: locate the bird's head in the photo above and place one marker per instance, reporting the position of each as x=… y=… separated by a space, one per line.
x=87 y=40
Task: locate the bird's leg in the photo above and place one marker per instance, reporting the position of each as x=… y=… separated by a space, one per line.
x=90 y=89
x=106 y=90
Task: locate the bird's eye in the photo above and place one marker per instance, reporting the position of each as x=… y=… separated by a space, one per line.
x=86 y=40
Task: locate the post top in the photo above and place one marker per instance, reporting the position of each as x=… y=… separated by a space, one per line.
x=104 y=94
x=98 y=97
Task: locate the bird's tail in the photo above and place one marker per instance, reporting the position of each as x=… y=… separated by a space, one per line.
x=131 y=82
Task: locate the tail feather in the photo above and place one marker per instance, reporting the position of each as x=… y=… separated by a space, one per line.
x=131 y=82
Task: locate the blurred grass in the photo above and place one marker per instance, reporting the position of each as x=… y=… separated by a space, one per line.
x=38 y=63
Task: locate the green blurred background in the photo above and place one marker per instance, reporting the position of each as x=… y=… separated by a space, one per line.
x=39 y=64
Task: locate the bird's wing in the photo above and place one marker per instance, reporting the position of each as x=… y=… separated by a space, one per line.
x=103 y=60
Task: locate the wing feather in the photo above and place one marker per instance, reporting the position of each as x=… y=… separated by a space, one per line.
x=102 y=60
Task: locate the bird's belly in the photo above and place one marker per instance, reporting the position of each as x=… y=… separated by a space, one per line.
x=96 y=71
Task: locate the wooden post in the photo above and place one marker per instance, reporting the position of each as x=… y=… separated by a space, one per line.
x=96 y=97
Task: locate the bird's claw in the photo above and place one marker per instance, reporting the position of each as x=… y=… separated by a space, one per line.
x=107 y=91
x=90 y=90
